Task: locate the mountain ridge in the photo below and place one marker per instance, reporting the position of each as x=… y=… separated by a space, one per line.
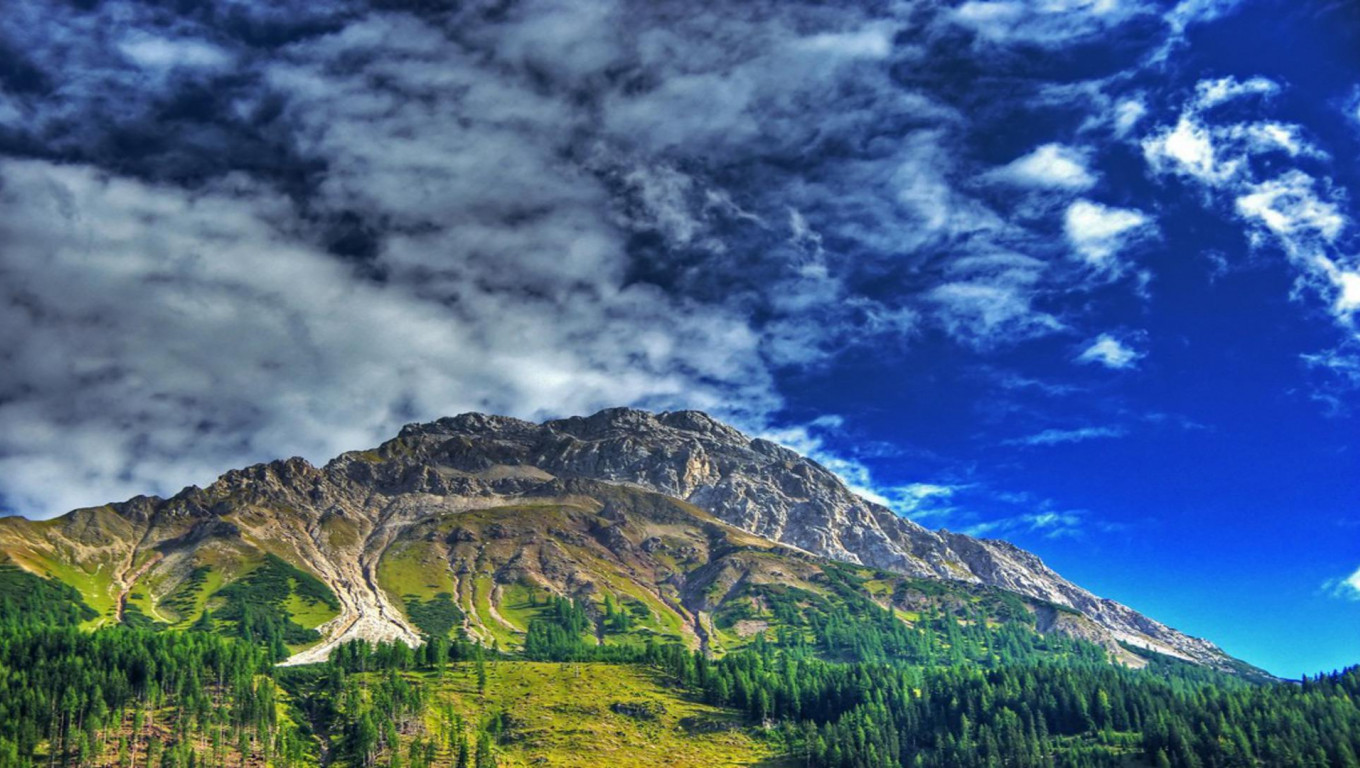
x=341 y=519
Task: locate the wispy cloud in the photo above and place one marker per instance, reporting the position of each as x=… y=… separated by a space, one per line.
x=1048 y=24
x=1268 y=171
x=1056 y=436
x=1347 y=588
x=1111 y=352
x=918 y=500
x=165 y=53
x=1053 y=166
x=1290 y=205
x=1097 y=233
x=1049 y=524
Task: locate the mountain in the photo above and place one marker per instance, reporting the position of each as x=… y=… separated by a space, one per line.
x=669 y=526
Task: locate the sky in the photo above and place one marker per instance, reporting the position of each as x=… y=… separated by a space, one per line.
x=1081 y=274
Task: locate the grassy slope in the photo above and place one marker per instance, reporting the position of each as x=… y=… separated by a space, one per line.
x=563 y=712
x=671 y=565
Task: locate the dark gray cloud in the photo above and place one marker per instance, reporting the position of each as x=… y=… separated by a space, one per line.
x=234 y=230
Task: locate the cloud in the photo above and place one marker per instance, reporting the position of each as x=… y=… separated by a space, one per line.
x=160 y=53
x=1347 y=588
x=1111 y=352
x=1290 y=208
x=988 y=314
x=918 y=501
x=1050 y=23
x=1052 y=166
x=1049 y=524
x=1211 y=93
x=1097 y=233
x=1284 y=204
x=291 y=227
x=1188 y=148
x=1051 y=437
x=1127 y=114
x=1184 y=15
x=160 y=336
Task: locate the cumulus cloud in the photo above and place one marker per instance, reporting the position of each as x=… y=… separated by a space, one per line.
x=1188 y=148
x=1053 y=166
x=1097 y=233
x=1111 y=352
x=158 y=332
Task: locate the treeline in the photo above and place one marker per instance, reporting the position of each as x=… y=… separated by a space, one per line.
x=842 y=682
x=1069 y=714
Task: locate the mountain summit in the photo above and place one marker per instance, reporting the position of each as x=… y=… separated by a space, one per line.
x=677 y=519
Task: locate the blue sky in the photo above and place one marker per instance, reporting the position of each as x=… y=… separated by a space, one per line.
x=1083 y=274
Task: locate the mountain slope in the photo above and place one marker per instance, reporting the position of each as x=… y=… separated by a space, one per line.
x=683 y=526
x=771 y=491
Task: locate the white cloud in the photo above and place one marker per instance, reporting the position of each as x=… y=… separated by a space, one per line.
x=1288 y=206
x=1347 y=588
x=1266 y=136
x=1111 y=352
x=871 y=42
x=1348 y=291
x=1053 y=166
x=163 y=336
x=917 y=500
x=1211 y=93
x=162 y=53
x=1049 y=23
x=1049 y=523
x=1098 y=232
x=1188 y=148
x=1127 y=115
x=1050 y=437
x=989 y=314
x=1189 y=12
x=1282 y=204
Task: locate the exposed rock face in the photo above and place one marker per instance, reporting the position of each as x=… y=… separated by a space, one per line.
x=768 y=490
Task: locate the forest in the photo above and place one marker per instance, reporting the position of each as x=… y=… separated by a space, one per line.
x=841 y=684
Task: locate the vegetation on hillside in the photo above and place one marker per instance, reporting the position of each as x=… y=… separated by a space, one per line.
x=830 y=681
x=832 y=665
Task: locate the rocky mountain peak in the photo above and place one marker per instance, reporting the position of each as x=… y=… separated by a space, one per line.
x=339 y=519
x=754 y=484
